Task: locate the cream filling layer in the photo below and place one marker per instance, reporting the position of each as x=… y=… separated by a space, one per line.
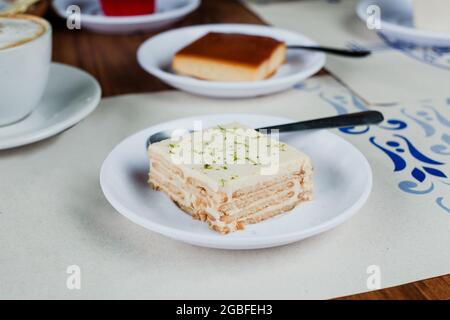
x=188 y=198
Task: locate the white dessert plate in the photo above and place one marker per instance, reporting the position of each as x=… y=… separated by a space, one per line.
x=155 y=56
x=92 y=17
x=70 y=96
x=342 y=183
x=397 y=22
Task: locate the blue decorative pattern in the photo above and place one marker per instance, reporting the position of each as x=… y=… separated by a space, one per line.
x=394 y=124
x=427 y=128
x=425 y=166
x=398 y=161
x=435 y=56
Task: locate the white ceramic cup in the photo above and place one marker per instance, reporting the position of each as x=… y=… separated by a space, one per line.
x=24 y=70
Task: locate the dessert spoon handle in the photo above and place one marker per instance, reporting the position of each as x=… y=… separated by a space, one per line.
x=343 y=120
x=340 y=52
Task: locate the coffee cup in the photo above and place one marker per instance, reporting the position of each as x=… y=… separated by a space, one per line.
x=25 y=56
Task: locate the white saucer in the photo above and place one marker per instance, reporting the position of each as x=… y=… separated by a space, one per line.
x=397 y=22
x=92 y=18
x=71 y=94
x=342 y=183
x=155 y=56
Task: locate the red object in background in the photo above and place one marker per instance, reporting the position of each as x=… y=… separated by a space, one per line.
x=127 y=7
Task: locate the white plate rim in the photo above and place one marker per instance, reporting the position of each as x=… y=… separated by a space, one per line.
x=58 y=127
x=190 y=6
x=201 y=239
x=399 y=29
x=266 y=83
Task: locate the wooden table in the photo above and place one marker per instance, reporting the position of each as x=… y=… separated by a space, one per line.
x=112 y=60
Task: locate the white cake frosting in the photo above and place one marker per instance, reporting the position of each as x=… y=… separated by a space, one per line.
x=15 y=31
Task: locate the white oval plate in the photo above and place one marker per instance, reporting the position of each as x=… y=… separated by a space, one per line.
x=342 y=183
x=92 y=18
x=70 y=96
x=155 y=56
x=397 y=22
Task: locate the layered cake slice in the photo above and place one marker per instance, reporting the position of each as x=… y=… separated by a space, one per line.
x=230 y=57
x=230 y=175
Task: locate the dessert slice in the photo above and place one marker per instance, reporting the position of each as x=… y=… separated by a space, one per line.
x=230 y=175
x=230 y=57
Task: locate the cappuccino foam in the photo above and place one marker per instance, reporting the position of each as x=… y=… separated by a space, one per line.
x=16 y=31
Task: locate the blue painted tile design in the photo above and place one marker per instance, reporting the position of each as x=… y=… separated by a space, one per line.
x=426 y=163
